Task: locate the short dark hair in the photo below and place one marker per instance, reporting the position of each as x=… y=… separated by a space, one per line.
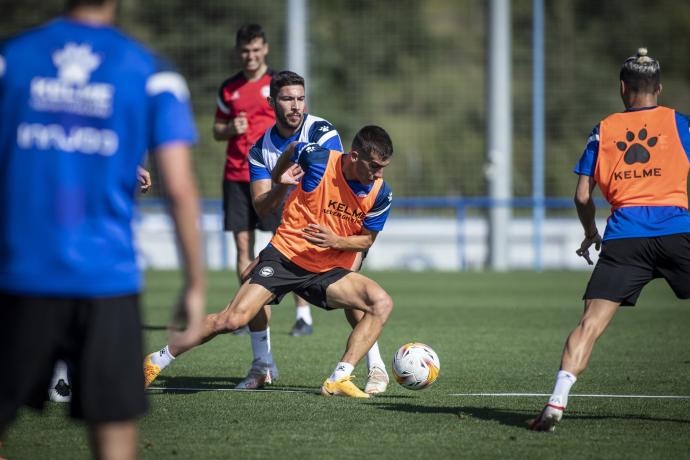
x=641 y=73
x=284 y=78
x=371 y=139
x=248 y=33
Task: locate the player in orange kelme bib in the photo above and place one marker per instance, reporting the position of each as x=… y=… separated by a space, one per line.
x=640 y=160
x=335 y=211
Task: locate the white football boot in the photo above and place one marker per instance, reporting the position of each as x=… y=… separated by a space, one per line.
x=549 y=417
x=260 y=375
x=377 y=381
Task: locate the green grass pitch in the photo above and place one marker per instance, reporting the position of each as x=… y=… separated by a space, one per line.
x=494 y=333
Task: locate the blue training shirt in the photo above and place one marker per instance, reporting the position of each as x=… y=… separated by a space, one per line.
x=313 y=162
x=80 y=105
x=264 y=154
x=639 y=221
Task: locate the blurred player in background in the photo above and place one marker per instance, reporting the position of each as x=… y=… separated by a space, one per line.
x=640 y=160
x=243 y=114
x=80 y=104
x=60 y=388
x=339 y=204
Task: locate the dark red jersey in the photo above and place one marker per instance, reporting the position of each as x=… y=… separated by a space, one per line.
x=237 y=95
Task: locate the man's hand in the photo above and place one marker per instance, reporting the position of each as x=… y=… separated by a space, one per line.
x=586 y=243
x=244 y=276
x=321 y=236
x=144 y=178
x=240 y=123
x=292 y=176
x=283 y=163
x=185 y=330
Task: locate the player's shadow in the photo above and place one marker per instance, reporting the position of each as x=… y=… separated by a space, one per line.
x=574 y=415
x=513 y=417
x=191 y=385
x=196 y=384
x=152 y=327
x=517 y=418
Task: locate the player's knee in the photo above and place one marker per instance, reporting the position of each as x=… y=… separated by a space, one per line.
x=383 y=306
x=229 y=323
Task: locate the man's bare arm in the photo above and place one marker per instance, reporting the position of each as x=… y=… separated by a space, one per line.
x=266 y=197
x=586 y=211
x=175 y=166
x=325 y=238
x=226 y=129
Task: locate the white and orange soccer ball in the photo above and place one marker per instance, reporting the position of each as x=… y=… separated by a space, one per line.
x=416 y=366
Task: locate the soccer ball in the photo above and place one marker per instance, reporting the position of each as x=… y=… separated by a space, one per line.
x=415 y=366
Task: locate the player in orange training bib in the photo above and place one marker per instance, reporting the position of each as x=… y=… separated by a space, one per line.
x=639 y=158
x=336 y=210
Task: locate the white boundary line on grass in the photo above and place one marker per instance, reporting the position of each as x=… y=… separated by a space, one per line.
x=499 y=395
x=575 y=395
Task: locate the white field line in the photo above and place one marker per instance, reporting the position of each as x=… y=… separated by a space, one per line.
x=508 y=395
x=497 y=395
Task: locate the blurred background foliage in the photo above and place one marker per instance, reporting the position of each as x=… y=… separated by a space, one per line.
x=419 y=70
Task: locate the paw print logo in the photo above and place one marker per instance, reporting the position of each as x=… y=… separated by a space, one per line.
x=637 y=152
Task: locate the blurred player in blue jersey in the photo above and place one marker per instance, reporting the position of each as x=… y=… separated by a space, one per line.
x=640 y=160
x=60 y=388
x=81 y=103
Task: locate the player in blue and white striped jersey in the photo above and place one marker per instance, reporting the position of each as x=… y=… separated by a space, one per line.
x=264 y=154
x=292 y=125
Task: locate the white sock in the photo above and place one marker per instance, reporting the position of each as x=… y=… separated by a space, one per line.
x=261 y=345
x=341 y=370
x=304 y=312
x=564 y=381
x=163 y=358
x=374 y=357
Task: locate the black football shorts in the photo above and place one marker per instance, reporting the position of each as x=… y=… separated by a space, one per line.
x=238 y=210
x=626 y=265
x=100 y=337
x=276 y=273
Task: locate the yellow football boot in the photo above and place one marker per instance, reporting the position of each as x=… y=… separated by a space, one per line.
x=342 y=387
x=151 y=371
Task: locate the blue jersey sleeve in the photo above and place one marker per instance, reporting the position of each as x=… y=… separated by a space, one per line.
x=683 y=132
x=313 y=159
x=376 y=218
x=588 y=160
x=325 y=134
x=171 y=112
x=257 y=166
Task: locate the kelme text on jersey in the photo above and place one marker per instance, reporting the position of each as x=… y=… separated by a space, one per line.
x=337 y=209
x=636 y=174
